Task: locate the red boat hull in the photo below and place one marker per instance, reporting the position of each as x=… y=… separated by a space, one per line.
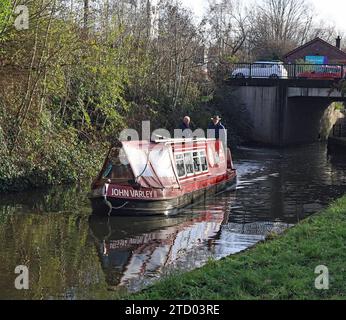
x=119 y=201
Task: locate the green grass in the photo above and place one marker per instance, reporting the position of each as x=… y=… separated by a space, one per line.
x=282 y=268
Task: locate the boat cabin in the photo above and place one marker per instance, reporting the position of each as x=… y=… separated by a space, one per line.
x=164 y=163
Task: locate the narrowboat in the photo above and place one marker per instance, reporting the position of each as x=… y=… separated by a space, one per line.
x=161 y=176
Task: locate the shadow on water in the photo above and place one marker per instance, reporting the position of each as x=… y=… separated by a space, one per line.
x=71 y=254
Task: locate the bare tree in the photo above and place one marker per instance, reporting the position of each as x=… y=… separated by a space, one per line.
x=229 y=25
x=229 y=29
x=280 y=25
x=326 y=31
x=177 y=46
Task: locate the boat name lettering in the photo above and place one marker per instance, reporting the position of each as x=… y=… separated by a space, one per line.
x=132 y=193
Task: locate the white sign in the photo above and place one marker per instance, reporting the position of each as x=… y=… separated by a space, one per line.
x=123 y=193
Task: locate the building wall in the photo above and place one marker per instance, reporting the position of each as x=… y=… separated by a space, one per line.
x=317 y=49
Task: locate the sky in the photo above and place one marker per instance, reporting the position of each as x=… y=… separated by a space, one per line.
x=329 y=10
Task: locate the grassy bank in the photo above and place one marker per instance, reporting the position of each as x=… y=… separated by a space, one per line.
x=282 y=268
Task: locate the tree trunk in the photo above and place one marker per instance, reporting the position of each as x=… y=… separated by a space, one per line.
x=86 y=17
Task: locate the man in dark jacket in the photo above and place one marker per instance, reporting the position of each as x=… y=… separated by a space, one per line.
x=186 y=123
x=186 y=127
x=218 y=127
x=220 y=132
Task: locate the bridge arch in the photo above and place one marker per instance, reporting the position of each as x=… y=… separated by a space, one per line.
x=284 y=112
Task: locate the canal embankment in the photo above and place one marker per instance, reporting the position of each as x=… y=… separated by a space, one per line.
x=337 y=139
x=282 y=267
x=337 y=144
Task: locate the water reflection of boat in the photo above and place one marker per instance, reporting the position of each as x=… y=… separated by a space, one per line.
x=132 y=248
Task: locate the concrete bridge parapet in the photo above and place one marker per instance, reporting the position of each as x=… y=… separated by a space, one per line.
x=326 y=93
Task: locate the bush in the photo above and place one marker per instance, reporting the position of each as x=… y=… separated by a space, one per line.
x=47 y=157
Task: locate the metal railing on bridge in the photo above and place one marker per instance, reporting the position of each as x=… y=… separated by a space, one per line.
x=277 y=70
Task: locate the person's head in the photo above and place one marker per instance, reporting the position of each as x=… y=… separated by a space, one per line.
x=216 y=119
x=187 y=120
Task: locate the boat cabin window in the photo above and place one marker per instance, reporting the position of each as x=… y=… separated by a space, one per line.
x=190 y=163
x=180 y=165
x=196 y=162
x=204 y=162
x=116 y=170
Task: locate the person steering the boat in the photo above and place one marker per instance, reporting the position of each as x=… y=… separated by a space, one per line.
x=218 y=130
x=218 y=127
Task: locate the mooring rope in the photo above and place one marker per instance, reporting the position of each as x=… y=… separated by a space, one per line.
x=115 y=208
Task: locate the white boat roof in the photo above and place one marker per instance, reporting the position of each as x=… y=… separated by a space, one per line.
x=181 y=140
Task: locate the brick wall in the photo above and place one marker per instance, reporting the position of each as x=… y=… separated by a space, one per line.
x=339 y=129
x=318 y=49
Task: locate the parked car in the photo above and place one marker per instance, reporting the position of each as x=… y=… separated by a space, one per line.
x=261 y=69
x=324 y=72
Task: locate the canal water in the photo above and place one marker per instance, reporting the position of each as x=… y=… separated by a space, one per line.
x=72 y=255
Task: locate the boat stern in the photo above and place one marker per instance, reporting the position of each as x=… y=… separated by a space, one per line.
x=98 y=198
